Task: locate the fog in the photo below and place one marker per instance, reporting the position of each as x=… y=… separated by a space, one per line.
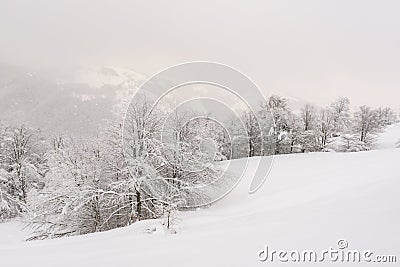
x=314 y=50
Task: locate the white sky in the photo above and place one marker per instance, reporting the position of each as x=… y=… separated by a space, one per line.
x=315 y=50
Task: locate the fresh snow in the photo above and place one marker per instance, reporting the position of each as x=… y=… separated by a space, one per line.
x=309 y=201
x=389 y=137
x=12 y=233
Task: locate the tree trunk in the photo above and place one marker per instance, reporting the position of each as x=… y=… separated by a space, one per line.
x=138 y=205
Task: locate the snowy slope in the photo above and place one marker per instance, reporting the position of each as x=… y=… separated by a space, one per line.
x=12 y=233
x=308 y=202
x=389 y=137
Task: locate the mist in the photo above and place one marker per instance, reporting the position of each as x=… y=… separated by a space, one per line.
x=311 y=50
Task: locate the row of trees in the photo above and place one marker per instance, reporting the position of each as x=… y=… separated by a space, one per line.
x=66 y=186
x=279 y=130
x=71 y=187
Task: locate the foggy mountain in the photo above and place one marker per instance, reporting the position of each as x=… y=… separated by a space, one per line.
x=72 y=101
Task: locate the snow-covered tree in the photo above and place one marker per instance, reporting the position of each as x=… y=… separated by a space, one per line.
x=188 y=153
x=70 y=203
x=103 y=184
x=278 y=108
x=340 y=109
x=96 y=185
x=386 y=116
x=239 y=144
x=253 y=133
x=307 y=137
x=308 y=141
x=10 y=204
x=295 y=127
x=22 y=166
x=325 y=126
x=308 y=117
x=366 y=124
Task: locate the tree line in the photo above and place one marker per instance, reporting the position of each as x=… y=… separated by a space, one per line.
x=65 y=186
x=312 y=129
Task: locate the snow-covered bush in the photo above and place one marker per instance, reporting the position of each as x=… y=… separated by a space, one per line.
x=308 y=141
x=351 y=143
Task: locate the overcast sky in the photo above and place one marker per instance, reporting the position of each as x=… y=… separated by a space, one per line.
x=315 y=50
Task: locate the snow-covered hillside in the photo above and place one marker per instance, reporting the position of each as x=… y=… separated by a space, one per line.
x=389 y=138
x=309 y=201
